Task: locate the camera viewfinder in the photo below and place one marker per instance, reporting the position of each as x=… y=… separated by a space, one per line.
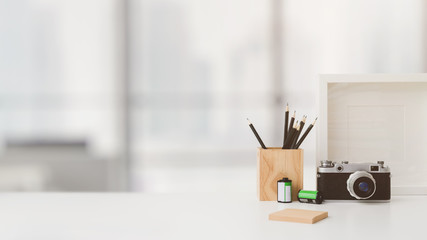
x=375 y=168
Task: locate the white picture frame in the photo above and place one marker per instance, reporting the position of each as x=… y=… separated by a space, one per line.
x=322 y=130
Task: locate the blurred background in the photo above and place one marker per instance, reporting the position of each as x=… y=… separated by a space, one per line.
x=153 y=95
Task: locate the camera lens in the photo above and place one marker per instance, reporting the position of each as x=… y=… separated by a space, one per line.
x=364 y=187
x=361 y=185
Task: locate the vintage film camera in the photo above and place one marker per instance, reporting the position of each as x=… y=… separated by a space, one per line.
x=353 y=181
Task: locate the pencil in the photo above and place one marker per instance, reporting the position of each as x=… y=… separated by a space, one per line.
x=291 y=124
x=286 y=130
x=305 y=134
x=294 y=139
x=290 y=136
x=256 y=134
x=302 y=123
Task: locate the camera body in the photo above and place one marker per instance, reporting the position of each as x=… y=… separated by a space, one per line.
x=353 y=181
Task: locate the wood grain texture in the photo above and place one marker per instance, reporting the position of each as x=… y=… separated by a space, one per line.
x=274 y=164
x=298 y=215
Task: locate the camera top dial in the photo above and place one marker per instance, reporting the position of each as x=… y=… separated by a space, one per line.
x=326 y=163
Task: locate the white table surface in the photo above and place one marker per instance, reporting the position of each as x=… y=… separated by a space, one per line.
x=198 y=216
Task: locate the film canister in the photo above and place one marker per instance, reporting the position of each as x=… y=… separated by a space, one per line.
x=284 y=190
x=306 y=196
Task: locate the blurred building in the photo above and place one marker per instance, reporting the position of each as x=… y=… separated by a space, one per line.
x=152 y=95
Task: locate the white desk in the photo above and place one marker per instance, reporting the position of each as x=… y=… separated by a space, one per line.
x=125 y=216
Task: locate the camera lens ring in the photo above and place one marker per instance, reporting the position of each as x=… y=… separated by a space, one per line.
x=361 y=185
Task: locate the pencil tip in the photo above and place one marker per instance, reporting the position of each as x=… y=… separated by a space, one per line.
x=314 y=121
x=248 y=121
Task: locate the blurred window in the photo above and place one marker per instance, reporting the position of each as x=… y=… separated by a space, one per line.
x=198 y=69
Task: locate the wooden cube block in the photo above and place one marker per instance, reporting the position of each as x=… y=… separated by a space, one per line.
x=298 y=215
x=274 y=164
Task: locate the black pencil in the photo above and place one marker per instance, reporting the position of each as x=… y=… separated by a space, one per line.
x=301 y=126
x=294 y=139
x=293 y=136
x=290 y=136
x=291 y=124
x=305 y=134
x=256 y=134
x=286 y=130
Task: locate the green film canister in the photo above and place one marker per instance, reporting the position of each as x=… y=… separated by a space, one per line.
x=306 y=196
x=284 y=190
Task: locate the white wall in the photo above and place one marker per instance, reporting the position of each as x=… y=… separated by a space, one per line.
x=365 y=36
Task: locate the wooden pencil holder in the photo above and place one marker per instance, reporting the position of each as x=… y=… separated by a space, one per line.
x=274 y=164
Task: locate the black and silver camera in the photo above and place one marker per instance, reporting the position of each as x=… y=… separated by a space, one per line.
x=353 y=181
